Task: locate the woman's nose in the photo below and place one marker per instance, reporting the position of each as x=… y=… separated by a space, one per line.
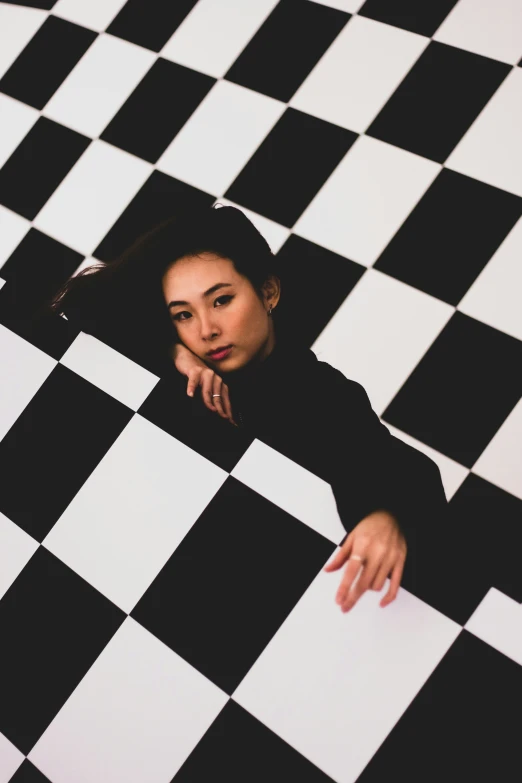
x=208 y=329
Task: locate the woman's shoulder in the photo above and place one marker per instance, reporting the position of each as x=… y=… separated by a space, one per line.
x=338 y=397
x=344 y=400
x=333 y=377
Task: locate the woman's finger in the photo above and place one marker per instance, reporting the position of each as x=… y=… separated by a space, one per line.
x=394 y=582
x=207 y=385
x=341 y=556
x=218 y=401
x=383 y=572
x=193 y=380
x=211 y=383
x=371 y=566
x=347 y=583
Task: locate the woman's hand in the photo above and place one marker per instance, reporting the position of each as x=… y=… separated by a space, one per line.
x=200 y=374
x=381 y=544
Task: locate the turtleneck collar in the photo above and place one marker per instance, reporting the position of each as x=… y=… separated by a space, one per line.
x=284 y=354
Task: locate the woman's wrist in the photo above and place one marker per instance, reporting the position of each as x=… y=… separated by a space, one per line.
x=178 y=349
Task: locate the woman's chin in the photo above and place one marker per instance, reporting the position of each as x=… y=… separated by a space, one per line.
x=222 y=365
x=229 y=366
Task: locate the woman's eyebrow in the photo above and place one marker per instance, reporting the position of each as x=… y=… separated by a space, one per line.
x=207 y=293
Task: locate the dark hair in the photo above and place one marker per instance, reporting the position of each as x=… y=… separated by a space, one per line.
x=122 y=301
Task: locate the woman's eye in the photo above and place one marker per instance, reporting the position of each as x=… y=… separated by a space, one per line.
x=177 y=316
x=225 y=296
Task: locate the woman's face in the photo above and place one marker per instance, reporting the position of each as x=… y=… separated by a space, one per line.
x=229 y=314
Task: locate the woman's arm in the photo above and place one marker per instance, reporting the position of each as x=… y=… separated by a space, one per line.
x=375 y=470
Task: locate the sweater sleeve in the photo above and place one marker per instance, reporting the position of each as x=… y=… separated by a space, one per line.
x=374 y=470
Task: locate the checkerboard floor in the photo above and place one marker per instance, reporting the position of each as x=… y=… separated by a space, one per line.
x=164 y=614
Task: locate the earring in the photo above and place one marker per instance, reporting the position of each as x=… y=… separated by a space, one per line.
x=270 y=310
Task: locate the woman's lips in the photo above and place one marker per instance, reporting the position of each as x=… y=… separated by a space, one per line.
x=221 y=354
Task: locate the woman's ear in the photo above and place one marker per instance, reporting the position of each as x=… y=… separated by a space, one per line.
x=272 y=289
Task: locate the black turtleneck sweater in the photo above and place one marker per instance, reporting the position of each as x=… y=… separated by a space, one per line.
x=309 y=411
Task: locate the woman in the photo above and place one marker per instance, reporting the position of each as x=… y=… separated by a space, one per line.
x=199 y=296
